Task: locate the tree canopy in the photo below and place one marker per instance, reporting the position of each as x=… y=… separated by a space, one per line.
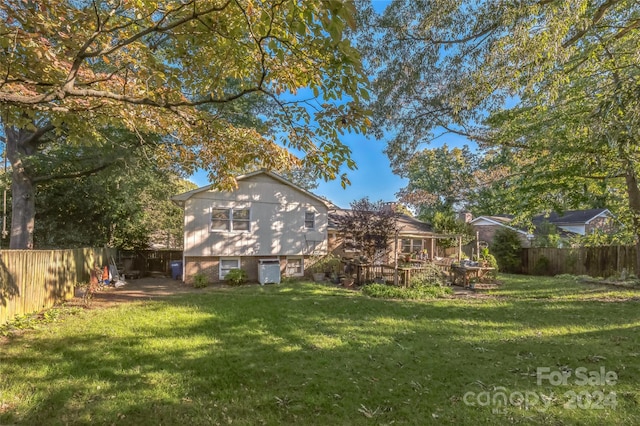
x=227 y=84
x=547 y=89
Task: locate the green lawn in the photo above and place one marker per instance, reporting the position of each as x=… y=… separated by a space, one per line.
x=308 y=354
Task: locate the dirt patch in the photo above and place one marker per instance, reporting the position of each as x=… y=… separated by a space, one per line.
x=141 y=289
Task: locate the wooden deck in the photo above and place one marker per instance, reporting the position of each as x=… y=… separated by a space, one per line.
x=365 y=273
x=464 y=276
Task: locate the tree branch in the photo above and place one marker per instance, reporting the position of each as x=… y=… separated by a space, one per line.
x=35 y=136
x=599 y=14
x=80 y=173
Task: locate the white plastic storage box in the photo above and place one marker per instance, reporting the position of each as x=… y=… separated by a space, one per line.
x=269 y=271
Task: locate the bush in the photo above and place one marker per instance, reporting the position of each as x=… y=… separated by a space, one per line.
x=392 y=292
x=507 y=249
x=542 y=266
x=200 y=280
x=236 y=277
x=328 y=263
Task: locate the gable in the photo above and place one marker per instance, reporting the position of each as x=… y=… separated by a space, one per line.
x=257 y=186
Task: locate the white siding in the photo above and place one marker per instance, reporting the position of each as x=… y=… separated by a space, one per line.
x=576 y=229
x=277 y=221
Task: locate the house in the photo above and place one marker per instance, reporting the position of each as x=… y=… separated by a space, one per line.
x=487 y=226
x=415 y=238
x=267 y=218
x=581 y=222
x=572 y=222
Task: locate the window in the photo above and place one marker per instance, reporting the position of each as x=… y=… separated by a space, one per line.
x=220 y=219
x=230 y=219
x=294 y=267
x=310 y=220
x=411 y=245
x=240 y=220
x=227 y=264
x=406 y=245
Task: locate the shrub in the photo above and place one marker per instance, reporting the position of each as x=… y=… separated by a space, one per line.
x=392 y=292
x=200 y=280
x=327 y=263
x=236 y=277
x=507 y=249
x=542 y=266
x=431 y=275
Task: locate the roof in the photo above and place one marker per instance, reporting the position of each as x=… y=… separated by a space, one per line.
x=568 y=218
x=406 y=224
x=501 y=220
x=571 y=217
x=180 y=199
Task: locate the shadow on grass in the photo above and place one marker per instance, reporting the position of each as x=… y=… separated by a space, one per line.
x=302 y=355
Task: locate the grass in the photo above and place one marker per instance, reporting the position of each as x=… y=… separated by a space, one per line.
x=302 y=353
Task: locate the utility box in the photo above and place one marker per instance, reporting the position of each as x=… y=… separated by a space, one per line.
x=268 y=271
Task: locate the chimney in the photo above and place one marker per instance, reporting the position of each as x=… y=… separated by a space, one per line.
x=389 y=206
x=465 y=216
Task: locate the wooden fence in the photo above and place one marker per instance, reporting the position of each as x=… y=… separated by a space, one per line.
x=594 y=261
x=31 y=280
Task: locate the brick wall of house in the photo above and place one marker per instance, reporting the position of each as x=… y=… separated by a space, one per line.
x=210 y=266
x=605 y=224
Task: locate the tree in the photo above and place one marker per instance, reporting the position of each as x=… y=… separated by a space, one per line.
x=546 y=235
x=507 y=249
x=440 y=179
x=558 y=80
x=127 y=207
x=303 y=177
x=186 y=71
x=445 y=222
x=367 y=227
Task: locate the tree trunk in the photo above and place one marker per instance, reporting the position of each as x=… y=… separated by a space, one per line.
x=634 y=206
x=20 y=144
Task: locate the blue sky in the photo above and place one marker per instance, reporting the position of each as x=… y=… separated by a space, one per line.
x=373 y=178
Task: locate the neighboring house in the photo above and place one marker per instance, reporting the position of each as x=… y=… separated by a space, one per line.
x=487 y=226
x=581 y=222
x=265 y=218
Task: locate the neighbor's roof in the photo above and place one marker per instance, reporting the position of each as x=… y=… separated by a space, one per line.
x=571 y=216
x=499 y=219
x=502 y=220
x=181 y=198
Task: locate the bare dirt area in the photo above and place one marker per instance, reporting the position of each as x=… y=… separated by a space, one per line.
x=148 y=288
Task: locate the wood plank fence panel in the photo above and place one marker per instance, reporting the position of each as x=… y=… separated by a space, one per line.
x=31 y=280
x=602 y=261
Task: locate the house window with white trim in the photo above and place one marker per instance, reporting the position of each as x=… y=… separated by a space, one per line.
x=230 y=219
x=227 y=264
x=309 y=220
x=295 y=267
x=411 y=245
